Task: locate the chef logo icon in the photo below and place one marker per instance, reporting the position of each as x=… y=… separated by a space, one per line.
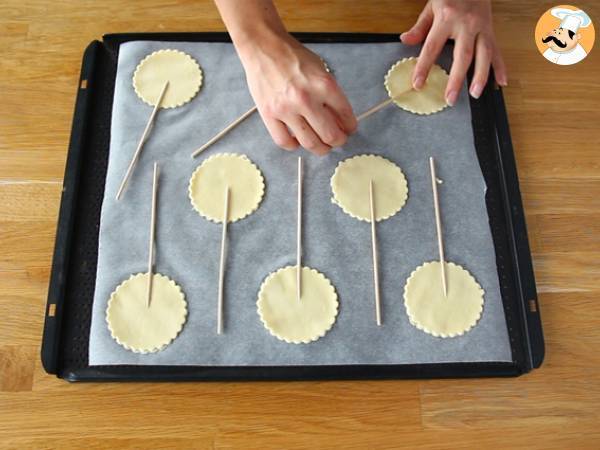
x=564 y=35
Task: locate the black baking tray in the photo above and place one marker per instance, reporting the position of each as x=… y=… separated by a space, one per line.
x=73 y=276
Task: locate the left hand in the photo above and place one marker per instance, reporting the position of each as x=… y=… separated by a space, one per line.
x=469 y=23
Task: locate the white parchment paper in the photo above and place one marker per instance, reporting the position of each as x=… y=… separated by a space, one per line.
x=334 y=243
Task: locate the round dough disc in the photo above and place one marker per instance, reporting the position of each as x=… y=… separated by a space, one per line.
x=292 y=321
x=430 y=311
x=350 y=187
x=209 y=181
x=139 y=328
x=180 y=69
x=429 y=99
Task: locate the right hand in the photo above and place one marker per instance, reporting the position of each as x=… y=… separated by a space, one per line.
x=298 y=100
x=470 y=24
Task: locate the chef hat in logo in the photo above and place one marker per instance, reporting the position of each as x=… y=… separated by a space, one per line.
x=570 y=19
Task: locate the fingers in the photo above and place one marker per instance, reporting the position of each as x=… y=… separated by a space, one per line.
x=483 y=58
x=326 y=125
x=500 y=72
x=417 y=33
x=280 y=134
x=306 y=136
x=470 y=25
x=338 y=103
x=431 y=49
x=462 y=57
x=307 y=121
x=332 y=118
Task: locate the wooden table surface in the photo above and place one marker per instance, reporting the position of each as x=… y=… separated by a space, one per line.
x=554 y=115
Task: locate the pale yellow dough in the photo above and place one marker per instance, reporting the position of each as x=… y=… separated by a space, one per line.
x=430 y=311
x=292 y=321
x=139 y=328
x=209 y=181
x=180 y=69
x=429 y=99
x=350 y=187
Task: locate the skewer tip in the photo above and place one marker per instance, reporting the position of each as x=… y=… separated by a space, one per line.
x=444 y=279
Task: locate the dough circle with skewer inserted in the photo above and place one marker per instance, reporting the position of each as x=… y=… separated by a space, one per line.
x=219 y=172
x=142 y=328
x=430 y=311
x=295 y=321
x=350 y=187
x=181 y=71
x=427 y=100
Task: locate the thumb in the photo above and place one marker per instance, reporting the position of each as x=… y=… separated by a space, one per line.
x=419 y=31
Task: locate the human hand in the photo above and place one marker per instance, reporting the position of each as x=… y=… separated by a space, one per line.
x=469 y=23
x=298 y=100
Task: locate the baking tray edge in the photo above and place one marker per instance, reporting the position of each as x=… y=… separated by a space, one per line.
x=51 y=344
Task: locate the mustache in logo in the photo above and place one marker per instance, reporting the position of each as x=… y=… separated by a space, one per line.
x=556 y=41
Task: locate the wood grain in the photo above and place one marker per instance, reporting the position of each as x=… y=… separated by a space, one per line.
x=554 y=119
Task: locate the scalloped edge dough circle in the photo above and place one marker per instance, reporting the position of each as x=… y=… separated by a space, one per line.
x=429 y=311
x=142 y=329
x=208 y=182
x=429 y=99
x=292 y=321
x=180 y=69
x=350 y=187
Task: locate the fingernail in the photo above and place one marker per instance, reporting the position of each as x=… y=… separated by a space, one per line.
x=418 y=82
x=503 y=82
x=476 y=90
x=451 y=97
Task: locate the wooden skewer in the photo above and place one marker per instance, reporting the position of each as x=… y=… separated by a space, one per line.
x=374 y=109
x=375 y=256
x=379 y=106
x=223 y=132
x=299 y=234
x=438 y=224
x=140 y=145
x=152 y=234
x=222 y=263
